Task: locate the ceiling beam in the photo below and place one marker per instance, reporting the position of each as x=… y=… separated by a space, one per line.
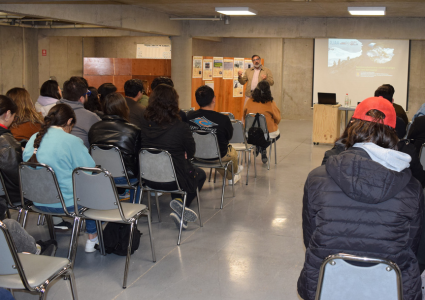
x=125 y=17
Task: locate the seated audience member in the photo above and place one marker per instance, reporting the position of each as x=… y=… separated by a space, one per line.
x=93 y=104
x=133 y=90
x=27 y=120
x=75 y=91
x=63 y=152
x=364 y=202
x=50 y=93
x=416 y=133
x=6 y=295
x=207 y=119
x=114 y=129
x=387 y=91
x=163 y=129
x=104 y=90
x=166 y=80
x=10 y=155
x=144 y=100
x=262 y=103
x=24 y=242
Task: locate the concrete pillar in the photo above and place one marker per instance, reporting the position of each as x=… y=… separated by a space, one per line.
x=181 y=66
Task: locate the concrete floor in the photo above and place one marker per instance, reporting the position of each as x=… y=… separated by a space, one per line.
x=252 y=249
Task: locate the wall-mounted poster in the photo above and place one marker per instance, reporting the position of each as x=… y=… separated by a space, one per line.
x=237 y=88
x=210 y=84
x=248 y=64
x=197 y=67
x=238 y=66
x=207 y=71
x=218 y=67
x=153 y=51
x=228 y=69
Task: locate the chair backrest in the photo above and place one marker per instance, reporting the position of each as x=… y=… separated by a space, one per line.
x=109 y=157
x=39 y=184
x=422 y=156
x=229 y=114
x=156 y=165
x=3 y=191
x=186 y=111
x=339 y=279
x=7 y=259
x=249 y=120
x=206 y=145
x=94 y=188
x=238 y=132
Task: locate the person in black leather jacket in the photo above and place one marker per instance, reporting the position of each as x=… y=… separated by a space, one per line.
x=10 y=153
x=114 y=129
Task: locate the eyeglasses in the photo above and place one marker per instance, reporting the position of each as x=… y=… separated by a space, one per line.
x=88 y=93
x=259 y=59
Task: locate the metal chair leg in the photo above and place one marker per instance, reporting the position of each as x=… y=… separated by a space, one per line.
x=50 y=224
x=275 y=155
x=18 y=219
x=181 y=220
x=215 y=175
x=42 y=292
x=24 y=220
x=247 y=167
x=224 y=185
x=199 y=207
x=157 y=207
x=100 y=237
x=209 y=178
x=270 y=157
x=127 y=259
x=72 y=284
x=151 y=238
x=149 y=203
x=39 y=219
x=233 y=180
x=43 y=220
x=255 y=165
x=72 y=250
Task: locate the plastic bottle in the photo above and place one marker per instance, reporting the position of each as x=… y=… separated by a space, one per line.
x=346 y=103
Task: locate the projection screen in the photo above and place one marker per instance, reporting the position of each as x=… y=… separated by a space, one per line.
x=359 y=66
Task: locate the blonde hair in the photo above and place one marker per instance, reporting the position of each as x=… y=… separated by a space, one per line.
x=26 y=111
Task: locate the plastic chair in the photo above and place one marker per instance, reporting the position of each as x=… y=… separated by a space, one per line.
x=208 y=155
x=422 y=156
x=339 y=279
x=249 y=120
x=109 y=157
x=38 y=183
x=407 y=129
x=239 y=143
x=157 y=166
x=10 y=205
x=94 y=189
x=229 y=114
x=24 y=271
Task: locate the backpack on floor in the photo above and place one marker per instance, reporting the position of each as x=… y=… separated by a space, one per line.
x=116 y=237
x=256 y=134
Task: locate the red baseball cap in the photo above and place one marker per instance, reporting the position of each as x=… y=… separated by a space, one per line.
x=378 y=103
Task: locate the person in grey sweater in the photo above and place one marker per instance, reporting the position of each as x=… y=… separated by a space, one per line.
x=75 y=92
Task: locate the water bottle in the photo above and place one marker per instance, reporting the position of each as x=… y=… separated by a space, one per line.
x=346 y=103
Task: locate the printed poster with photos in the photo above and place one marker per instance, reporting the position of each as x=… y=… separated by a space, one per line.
x=217 y=66
x=210 y=84
x=207 y=71
x=228 y=68
x=197 y=67
x=238 y=66
x=237 y=88
x=248 y=64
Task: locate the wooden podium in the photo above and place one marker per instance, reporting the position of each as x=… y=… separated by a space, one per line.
x=326 y=123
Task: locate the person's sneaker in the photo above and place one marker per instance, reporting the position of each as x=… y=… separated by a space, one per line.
x=64 y=226
x=236 y=176
x=90 y=246
x=176 y=218
x=125 y=196
x=47 y=248
x=264 y=156
x=153 y=194
x=240 y=169
x=177 y=206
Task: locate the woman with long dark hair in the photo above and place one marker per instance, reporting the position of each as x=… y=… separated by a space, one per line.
x=163 y=129
x=364 y=201
x=54 y=146
x=262 y=103
x=115 y=129
x=93 y=103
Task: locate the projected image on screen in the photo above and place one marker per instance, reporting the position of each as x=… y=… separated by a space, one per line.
x=359 y=66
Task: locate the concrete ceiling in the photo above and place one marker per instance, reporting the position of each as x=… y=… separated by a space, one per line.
x=268 y=8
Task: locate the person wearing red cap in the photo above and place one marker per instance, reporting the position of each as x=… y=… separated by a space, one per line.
x=364 y=202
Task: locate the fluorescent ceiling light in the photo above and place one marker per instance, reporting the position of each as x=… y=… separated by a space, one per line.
x=367 y=11
x=236 y=11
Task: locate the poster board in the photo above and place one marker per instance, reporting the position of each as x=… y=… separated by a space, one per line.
x=224 y=87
